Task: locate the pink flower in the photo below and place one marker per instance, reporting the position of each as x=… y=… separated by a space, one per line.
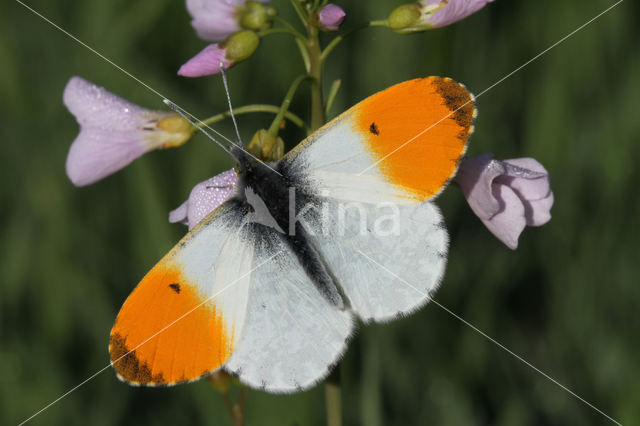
x=114 y=131
x=206 y=62
x=506 y=195
x=446 y=12
x=429 y=14
x=331 y=17
x=235 y=48
x=205 y=197
x=215 y=20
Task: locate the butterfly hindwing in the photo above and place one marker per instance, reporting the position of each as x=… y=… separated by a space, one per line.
x=292 y=334
x=386 y=258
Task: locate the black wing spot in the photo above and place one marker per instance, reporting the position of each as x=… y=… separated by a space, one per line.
x=175 y=287
x=374 y=129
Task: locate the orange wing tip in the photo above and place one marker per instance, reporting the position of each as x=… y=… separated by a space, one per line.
x=458 y=99
x=129 y=368
x=417 y=132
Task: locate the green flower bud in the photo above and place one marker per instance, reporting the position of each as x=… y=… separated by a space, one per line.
x=266 y=146
x=178 y=131
x=404 y=17
x=239 y=46
x=255 y=16
x=220 y=381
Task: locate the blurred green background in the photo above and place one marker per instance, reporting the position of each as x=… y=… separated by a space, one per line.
x=567 y=300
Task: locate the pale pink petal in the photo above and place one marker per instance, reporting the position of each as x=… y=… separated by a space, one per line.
x=206 y=62
x=530 y=180
x=214 y=20
x=93 y=105
x=538 y=212
x=454 y=10
x=180 y=215
x=113 y=131
x=528 y=177
x=509 y=222
x=475 y=176
x=507 y=195
x=97 y=153
x=205 y=197
x=331 y=17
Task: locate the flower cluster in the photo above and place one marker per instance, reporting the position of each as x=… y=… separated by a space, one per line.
x=233 y=25
x=507 y=195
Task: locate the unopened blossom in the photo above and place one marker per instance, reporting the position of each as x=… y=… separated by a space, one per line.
x=211 y=59
x=114 y=131
x=215 y=20
x=207 y=62
x=331 y=17
x=429 y=14
x=506 y=195
x=205 y=197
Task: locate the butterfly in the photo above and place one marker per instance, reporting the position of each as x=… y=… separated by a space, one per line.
x=275 y=302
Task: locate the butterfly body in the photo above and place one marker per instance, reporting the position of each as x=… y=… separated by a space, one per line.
x=276 y=191
x=342 y=228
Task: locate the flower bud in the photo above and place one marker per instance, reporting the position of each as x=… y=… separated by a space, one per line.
x=330 y=17
x=429 y=14
x=239 y=46
x=206 y=62
x=220 y=381
x=255 y=16
x=404 y=19
x=179 y=130
x=266 y=146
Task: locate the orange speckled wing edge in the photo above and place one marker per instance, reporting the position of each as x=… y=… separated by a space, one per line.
x=418 y=131
x=167 y=332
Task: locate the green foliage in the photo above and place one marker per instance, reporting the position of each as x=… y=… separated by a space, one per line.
x=566 y=300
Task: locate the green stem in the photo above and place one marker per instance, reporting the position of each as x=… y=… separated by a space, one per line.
x=299 y=11
x=283 y=22
x=318 y=118
x=234 y=410
x=315 y=72
x=275 y=126
x=304 y=52
x=288 y=31
x=333 y=91
x=341 y=37
x=333 y=400
x=256 y=108
x=379 y=23
x=301 y=41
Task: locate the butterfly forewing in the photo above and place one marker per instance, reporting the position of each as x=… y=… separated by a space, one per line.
x=185 y=317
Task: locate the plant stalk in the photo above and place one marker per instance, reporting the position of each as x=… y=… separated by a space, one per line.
x=315 y=72
x=333 y=398
x=275 y=125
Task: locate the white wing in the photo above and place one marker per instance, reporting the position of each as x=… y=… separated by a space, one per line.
x=292 y=336
x=387 y=258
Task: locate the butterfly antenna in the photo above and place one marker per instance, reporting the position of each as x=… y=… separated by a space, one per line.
x=226 y=89
x=200 y=126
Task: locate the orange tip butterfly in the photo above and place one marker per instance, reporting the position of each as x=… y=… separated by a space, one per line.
x=275 y=302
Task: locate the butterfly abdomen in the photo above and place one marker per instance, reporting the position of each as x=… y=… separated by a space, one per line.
x=275 y=201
